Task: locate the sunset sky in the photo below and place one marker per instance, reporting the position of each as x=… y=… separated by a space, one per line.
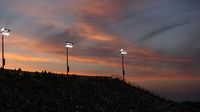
x=162 y=38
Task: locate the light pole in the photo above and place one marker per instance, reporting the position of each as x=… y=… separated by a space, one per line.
x=68 y=45
x=4 y=33
x=123 y=52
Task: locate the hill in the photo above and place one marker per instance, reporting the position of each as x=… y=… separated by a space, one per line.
x=47 y=92
x=195 y=105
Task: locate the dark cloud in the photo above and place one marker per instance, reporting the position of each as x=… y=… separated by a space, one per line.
x=162 y=37
x=162 y=30
x=169 y=28
x=67 y=35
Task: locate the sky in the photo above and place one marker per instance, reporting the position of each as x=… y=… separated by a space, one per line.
x=161 y=37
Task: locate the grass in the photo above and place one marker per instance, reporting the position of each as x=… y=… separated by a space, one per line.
x=48 y=92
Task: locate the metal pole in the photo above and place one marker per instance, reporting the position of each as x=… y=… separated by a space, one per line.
x=123 y=71
x=67 y=61
x=3 y=59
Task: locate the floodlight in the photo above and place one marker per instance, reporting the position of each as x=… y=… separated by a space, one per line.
x=123 y=51
x=4 y=32
x=69 y=45
x=2 y=29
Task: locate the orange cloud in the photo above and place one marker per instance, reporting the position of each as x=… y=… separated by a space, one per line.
x=91 y=20
x=91 y=14
x=28 y=58
x=136 y=54
x=94 y=61
x=92 y=32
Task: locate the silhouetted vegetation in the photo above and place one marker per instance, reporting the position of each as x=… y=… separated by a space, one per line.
x=47 y=92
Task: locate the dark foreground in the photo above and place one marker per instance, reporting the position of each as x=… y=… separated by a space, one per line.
x=46 y=92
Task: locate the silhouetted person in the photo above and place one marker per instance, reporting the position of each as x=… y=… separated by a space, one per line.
x=20 y=71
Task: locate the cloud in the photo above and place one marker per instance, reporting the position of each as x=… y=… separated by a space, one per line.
x=162 y=30
x=161 y=41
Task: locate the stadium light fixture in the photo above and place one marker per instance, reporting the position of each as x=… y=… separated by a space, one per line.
x=68 y=45
x=123 y=52
x=5 y=33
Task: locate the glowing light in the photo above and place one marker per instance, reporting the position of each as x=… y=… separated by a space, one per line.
x=123 y=51
x=69 y=44
x=2 y=29
x=5 y=32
